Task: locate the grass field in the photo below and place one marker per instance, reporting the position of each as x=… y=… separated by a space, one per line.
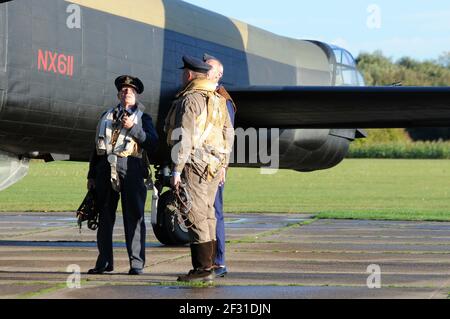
x=366 y=189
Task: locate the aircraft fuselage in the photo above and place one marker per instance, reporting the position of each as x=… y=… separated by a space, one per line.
x=58 y=61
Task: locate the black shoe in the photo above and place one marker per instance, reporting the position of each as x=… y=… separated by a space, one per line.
x=220 y=271
x=135 y=272
x=99 y=271
x=198 y=275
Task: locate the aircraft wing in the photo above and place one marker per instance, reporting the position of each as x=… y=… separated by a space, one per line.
x=342 y=107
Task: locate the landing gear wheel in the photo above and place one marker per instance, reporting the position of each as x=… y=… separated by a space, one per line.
x=168 y=233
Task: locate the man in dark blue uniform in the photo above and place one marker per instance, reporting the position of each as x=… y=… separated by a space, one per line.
x=216 y=74
x=125 y=136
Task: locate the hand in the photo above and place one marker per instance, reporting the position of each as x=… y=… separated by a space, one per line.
x=90 y=183
x=175 y=181
x=223 y=176
x=127 y=123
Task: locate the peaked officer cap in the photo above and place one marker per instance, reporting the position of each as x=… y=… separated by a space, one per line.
x=195 y=64
x=128 y=80
x=207 y=57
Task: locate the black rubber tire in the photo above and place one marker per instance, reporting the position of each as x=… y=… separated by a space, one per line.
x=164 y=229
x=161 y=235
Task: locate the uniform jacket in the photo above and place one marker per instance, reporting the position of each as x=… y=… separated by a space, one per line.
x=144 y=135
x=189 y=108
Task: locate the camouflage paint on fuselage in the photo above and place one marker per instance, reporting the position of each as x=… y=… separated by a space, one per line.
x=203 y=25
x=53 y=111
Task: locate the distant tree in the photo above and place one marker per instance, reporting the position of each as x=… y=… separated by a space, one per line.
x=380 y=70
x=408 y=63
x=444 y=59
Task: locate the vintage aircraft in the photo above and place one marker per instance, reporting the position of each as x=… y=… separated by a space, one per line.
x=58 y=60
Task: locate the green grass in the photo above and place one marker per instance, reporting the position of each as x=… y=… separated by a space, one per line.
x=357 y=188
x=373 y=189
x=58 y=186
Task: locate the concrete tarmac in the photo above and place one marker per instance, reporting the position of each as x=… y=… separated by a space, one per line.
x=269 y=256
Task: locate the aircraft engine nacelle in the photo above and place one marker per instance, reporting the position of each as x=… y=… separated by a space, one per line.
x=308 y=150
x=12 y=169
x=303 y=150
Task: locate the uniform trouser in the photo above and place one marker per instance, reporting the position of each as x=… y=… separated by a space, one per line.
x=202 y=215
x=220 y=228
x=133 y=195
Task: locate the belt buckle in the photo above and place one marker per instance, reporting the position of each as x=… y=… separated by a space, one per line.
x=112 y=159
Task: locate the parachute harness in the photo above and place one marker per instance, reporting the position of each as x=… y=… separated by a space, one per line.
x=179 y=206
x=88 y=212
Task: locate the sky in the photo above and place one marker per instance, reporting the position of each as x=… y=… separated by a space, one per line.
x=416 y=28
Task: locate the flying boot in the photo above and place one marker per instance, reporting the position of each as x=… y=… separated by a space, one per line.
x=202 y=263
